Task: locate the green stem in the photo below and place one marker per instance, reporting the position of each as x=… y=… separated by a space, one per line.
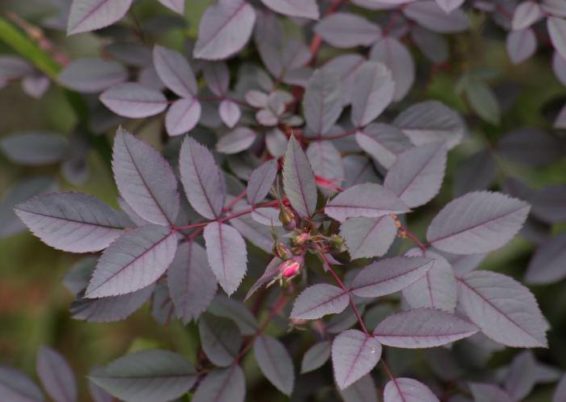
x=43 y=61
x=29 y=50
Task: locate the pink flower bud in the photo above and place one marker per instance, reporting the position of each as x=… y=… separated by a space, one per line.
x=289 y=268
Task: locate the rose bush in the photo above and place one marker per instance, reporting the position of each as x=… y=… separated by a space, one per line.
x=326 y=189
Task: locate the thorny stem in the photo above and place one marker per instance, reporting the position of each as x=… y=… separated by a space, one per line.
x=195 y=225
x=411 y=236
x=388 y=371
x=235 y=201
x=317 y=40
x=354 y=308
x=342 y=286
x=279 y=304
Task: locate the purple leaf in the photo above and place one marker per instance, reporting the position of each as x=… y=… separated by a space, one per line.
x=482 y=100
x=98 y=394
x=224 y=29
x=133 y=100
x=217 y=77
x=15 y=386
x=417 y=174
x=56 y=375
x=90 y=15
x=18 y=193
x=560 y=122
x=489 y=393
x=137 y=259
x=174 y=71
x=554 y=7
x=368 y=237
x=428 y=14
x=505 y=310
x=547 y=265
x=13 y=68
x=521 y=376
x=399 y=61
x=530 y=146
x=477 y=222
x=257 y=233
x=407 y=390
x=109 y=309
x=220 y=339
x=34 y=148
x=437 y=288
x=230 y=112
x=319 y=300
x=294 y=8
x=236 y=141
x=354 y=354
x=224 y=385
x=521 y=45
x=281 y=55
x=462 y=264
x=276 y=142
x=557 y=31
x=372 y=92
x=432 y=45
x=344 y=30
x=389 y=275
x=177 y=6
x=235 y=310
x=202 y=179
x=275 y=363
x=271 y=272
x=260 y=182
x=326 y=161
x=316 y=356
x=346 y=67
x=298 y=180
x=559 y=67
x=431 y=121
x=145 y=179
x=422 y=328
x=449 y=5
x=560 y=391
x=363 y=390
x=72 y=222
x=183 y=115
x=227 y=255
x=383 y=142
x=364 y=200
x=35 y=85
x=92 y=75
x=476 y=172
x=548 y=204
x=526 y=14
x=322 y=102
x=192 y=285
x=145 y=376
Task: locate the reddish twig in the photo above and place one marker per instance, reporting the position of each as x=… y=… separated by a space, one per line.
x=316 y=41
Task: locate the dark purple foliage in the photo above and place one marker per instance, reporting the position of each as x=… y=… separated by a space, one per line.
x=306 y=167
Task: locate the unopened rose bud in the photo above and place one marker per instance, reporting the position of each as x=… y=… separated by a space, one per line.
x=336 y=242
x=290 y=268
x=281 y=250
x=300 y=239
x=287 y=218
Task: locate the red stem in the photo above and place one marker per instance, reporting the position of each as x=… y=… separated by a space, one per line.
x=275 y=310
x=345 y=288
x=316 y=41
